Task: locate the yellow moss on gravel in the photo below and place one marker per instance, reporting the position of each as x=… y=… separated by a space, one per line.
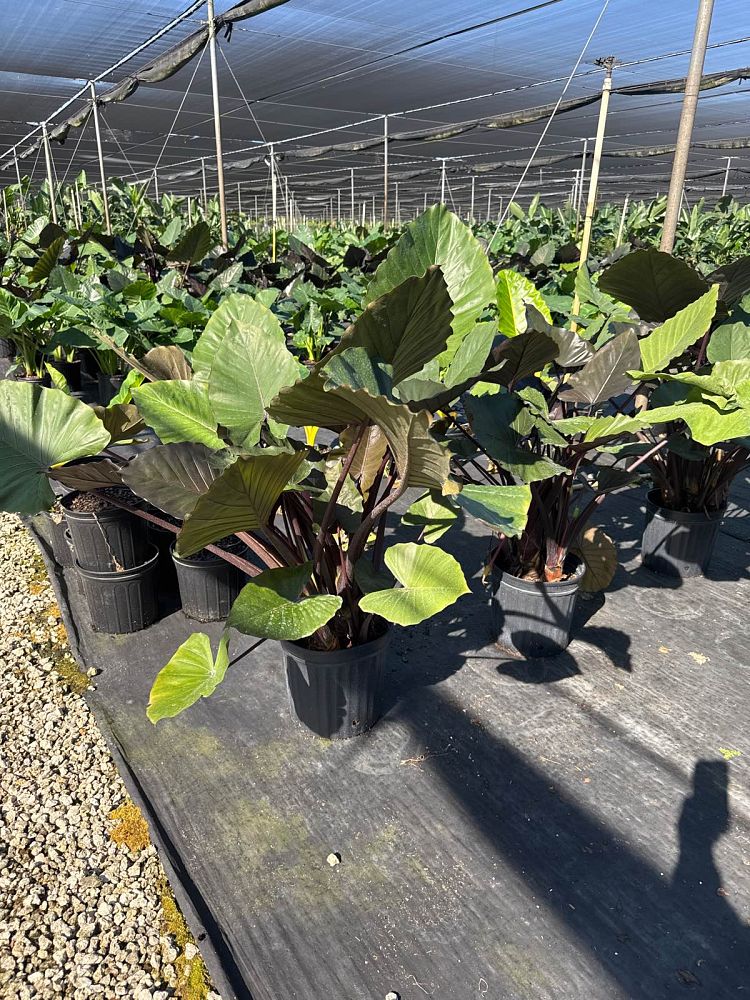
x=132 y=828
x=192 y=976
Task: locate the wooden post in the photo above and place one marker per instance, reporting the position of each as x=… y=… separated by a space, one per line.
x=608 y=65
x=385 y=171
x=205 y=188
x=726 y=177
x=217 y=124
x=50 y=183
x=100 y=155
x=239 y=198
x=442 y=183
x=352 y=193
x=471 y=210
x=687 y=119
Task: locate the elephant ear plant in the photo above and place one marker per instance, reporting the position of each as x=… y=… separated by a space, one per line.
x=694 y=372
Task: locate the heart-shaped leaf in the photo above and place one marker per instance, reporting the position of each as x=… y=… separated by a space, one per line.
x=269 y=607
x=179 y=410
x=191 y=674
x=173 y=476
x=673 y=337
x=433 y=513
x=40 y=428
x=503 y=508
x=655 y=284
x=431 y=581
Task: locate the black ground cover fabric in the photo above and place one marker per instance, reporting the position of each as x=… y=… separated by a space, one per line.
x=555 y=829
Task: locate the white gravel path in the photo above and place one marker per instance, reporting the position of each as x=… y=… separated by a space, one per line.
x=80 y=915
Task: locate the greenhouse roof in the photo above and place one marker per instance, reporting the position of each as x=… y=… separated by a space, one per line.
x=308 y=75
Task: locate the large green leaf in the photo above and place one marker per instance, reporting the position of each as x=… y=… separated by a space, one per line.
x=40 y=428
x=514 y=292
x=368 y=457
x=729 y=342
x=269 y=607
x=46 y=263
x=734 y=281
x=492 y=419
x=503 y=508
x=248 y=368
x=356 y=369
x=439 y=237
x=121 y=420
x=191 y=674
x=655 y=284
x=240 y=499
x=431 y=581
x=606 y=373
x=173 y=476
x=433 y=512
x=178 y=410
x=673 y=337
x=167 y=362
x=707 y=422
x=88 y=475
x=420 y=459
x=407 y=326
x=232 y=313
x=470 y=358
x=193 y=245
x=522 y=355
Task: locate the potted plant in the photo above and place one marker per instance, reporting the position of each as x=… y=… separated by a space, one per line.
x=545 y=432
x=694 y=372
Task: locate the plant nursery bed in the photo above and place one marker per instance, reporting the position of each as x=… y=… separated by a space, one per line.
x=556 y=829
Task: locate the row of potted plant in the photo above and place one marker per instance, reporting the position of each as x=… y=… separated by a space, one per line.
x=452 y=394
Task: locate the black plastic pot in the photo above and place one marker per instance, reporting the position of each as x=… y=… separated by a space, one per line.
x=121 y=602
x=70 y=371
x=109 y=386
x=534 y=619
x=676 y=543
x=208 y=587
x=7 y=348
x=43 y=380
x=336 y=694
x=107 y=540
x=167 y=572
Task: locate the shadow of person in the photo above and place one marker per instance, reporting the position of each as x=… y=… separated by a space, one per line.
x=696 y=881
x=652 y=936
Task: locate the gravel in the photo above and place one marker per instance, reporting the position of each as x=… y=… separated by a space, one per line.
x=85 y=908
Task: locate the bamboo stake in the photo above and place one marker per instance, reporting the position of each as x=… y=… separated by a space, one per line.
x=687 y=119
x=217 y=124
x=50 y=184
x=581 y=179
x=588 y=221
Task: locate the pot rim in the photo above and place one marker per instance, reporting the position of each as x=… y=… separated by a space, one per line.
x=192 y=563
x=335 y=656
x=541 y=587
x=86 y=515
x=682 y=516
x=122 y=574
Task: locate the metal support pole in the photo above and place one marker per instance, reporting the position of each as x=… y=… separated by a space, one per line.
x=442 y=183
x=581 y=179
x=190 y=210
x=205 y=189
x=256 y=207
x=424 y=207
x=20 y=186
x=471 y=210
x=50 y=184
x=687 y=118
x=338 y=206
x=594 y=179
x=726 y=177
x=489 y=203
x=217 y=124
x=622 y=220
x=385 y=171
x=352 y=186
x=156 y=185
x=272 y=158
x=239 y=198
x=373 y=210
x=100 y=153
x=398 y=208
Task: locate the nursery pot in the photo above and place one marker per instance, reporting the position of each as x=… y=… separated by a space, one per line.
x=109 y=386
x=7 y=348
x=166 y=571
x=678 y=543
x=70 y=371
x=107 y=539
x=208 y=586
x=336 y=694
x=43 y=380
x=121 y=601
x=534 y=619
